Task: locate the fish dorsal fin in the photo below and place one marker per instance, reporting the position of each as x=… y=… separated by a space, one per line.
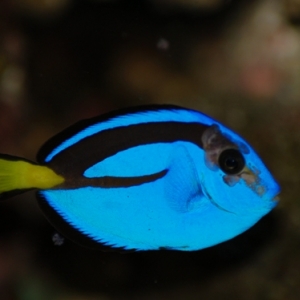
x=182 y=185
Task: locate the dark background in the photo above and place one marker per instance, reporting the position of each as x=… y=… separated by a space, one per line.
x=238 y=61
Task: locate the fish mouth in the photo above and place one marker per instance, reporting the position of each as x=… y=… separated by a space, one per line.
x=274 y=201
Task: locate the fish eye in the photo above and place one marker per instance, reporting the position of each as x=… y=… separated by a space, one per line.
x=231 y=161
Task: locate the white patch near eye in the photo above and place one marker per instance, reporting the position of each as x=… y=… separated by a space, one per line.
x=210 y=163
x=231 y=180
x=250 y=177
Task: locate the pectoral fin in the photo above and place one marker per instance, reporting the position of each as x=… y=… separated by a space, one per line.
x=182 y=185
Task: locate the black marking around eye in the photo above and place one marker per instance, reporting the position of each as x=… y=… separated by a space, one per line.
x=231 y=161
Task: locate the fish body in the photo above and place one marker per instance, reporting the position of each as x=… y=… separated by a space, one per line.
x=148 y=178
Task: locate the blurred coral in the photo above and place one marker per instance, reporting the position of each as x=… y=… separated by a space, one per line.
x=258 y=55
x=41 y=8
x=292 y=9
x=189 y=4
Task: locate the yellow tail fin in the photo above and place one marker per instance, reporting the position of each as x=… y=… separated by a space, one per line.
x=19 y=174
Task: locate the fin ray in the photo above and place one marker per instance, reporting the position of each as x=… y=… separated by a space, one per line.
x=182 y=185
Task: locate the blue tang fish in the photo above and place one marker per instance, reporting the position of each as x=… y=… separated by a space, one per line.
x=147 y=178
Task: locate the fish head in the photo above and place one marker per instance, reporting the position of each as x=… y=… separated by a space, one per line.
x=236 y=180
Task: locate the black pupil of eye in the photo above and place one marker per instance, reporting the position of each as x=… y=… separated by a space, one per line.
x=231 y=161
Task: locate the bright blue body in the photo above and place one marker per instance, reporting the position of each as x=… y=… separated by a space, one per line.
x=189 y=208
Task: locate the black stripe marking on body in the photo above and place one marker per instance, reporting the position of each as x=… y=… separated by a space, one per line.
x=72 y=162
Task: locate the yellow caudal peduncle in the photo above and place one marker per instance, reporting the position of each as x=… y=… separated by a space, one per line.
x=19 y=174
